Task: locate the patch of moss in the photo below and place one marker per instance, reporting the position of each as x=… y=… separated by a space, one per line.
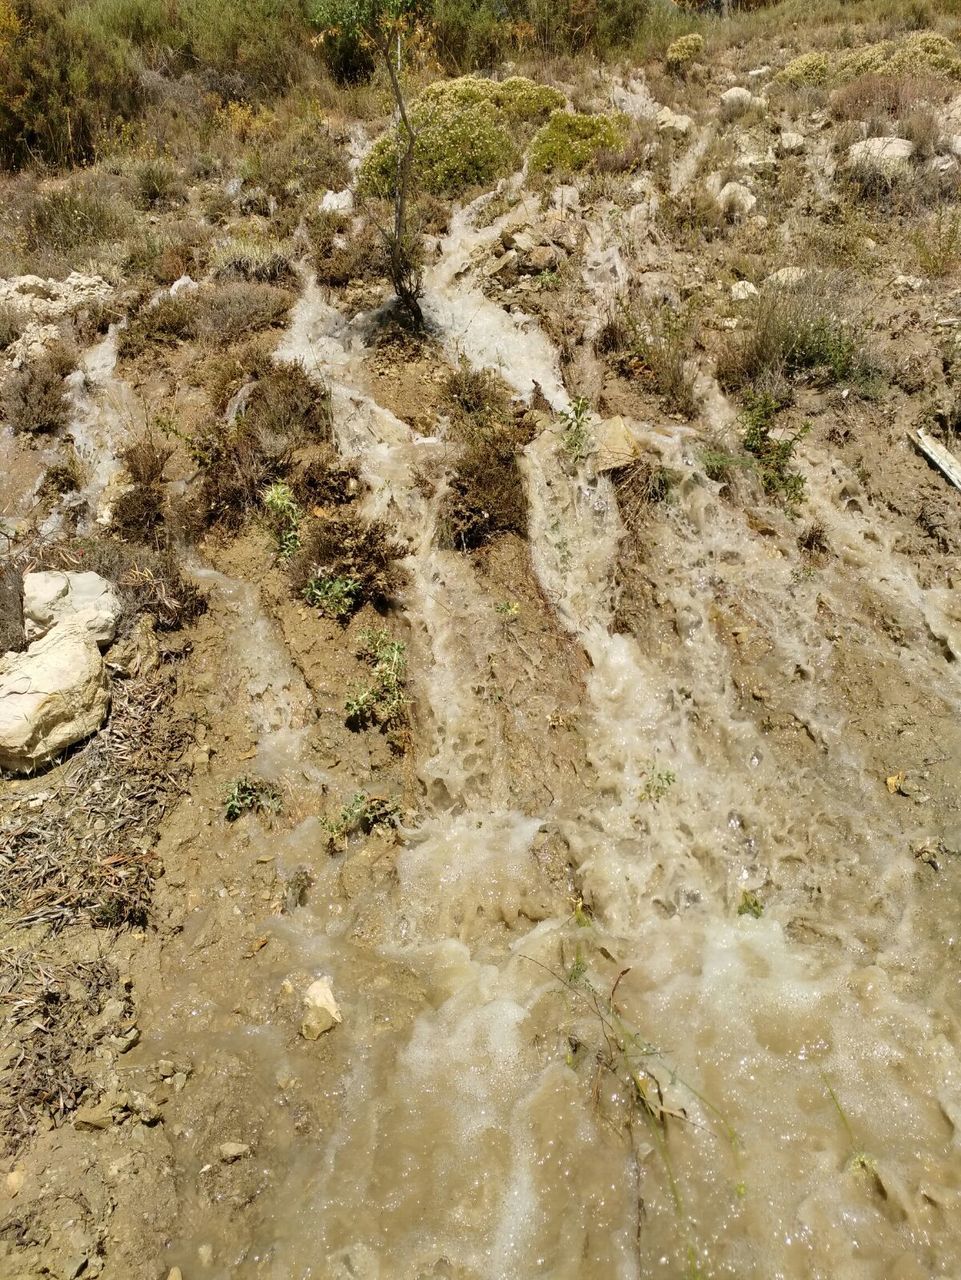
x=468 y=133
x=923 y=52
x=570 y=141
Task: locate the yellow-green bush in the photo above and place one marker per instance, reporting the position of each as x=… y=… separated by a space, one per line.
x=923 y=53
x=684 y=50
x=468 y=134
x=570 y=141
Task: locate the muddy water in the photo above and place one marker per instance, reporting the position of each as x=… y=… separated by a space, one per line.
x=761 y=1096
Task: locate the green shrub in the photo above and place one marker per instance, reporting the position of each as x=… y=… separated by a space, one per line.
x=683 y=51
x=468 y=130
x=772 y=449
x=923 y=52
x=345 y=562
x=569 y=142
x=63 y=81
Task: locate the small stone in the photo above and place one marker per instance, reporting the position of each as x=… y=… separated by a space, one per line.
x=736 y=200
x=791 y=143
x=743 y=290
x=165 y=1069
x=542 y=257
x=93 y=1118
x=14 y=1181
x=231 y=1151
x=669 y=121
x=734 y=102
x=175 y=1274
x=125 y=1042
x=321 y=1011
x=786 y=278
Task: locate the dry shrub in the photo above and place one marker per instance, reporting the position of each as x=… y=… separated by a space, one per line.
x=485 y=495
x=212 y=316
x=326 y=481
x=475 y=394
x=148 y=580
x=35 y=398
x=891 y=96
x=287 y=403
x=653 y=344
x=640 y=485
x=340 y=254
x=12 y=322
x=347 y=549
x=138 y=514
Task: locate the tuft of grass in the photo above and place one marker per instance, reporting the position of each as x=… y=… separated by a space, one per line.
x=937 y=244
x=652 y=344
x=251 y=795
x=793 y=331
x=640 y=485
x=384 y=701
x=341 y=254
x=12 y=324
x=258 y=258
x=71 y=218
x=34 y=398
x=750 y=905
x=157 y=184
x=362 y=813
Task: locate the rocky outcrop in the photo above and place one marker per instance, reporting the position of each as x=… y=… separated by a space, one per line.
x=51 y=696
x=84 y=598
x=887 y=157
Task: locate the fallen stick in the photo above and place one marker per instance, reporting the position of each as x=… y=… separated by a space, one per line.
x=944 y=461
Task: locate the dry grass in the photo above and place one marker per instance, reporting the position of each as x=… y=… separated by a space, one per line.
x=85 y=854
x=653 y=345
x=53 y=1013
x=214 y=317
x=640 y=485
x=34 y=400
x=341 y=255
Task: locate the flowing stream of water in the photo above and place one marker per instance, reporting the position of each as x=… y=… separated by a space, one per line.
x=763 y=1096
x=753 y=1103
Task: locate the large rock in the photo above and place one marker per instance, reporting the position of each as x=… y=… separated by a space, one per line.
x=51 y=696
x=85 y=598
x=889 y=157
x=734 y=102
x=615 y=444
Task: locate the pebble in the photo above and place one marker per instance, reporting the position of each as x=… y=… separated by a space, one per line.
x=175 y=1274
x=321 y=1011
x=14 y=1181
x=231 y=1151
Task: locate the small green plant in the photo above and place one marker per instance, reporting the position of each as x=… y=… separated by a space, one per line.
x=750 y=905
x=362 y=812
x=284 y=516
x=334 y=597
x=656 y=784
x=507 y=610
x=773 y=452
x=938 y=244
x=383 y=702
x=577 y=440
x=251 y=795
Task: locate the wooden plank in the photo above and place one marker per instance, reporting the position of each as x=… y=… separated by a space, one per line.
x=936 y=453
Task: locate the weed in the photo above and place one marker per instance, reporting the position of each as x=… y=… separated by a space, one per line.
x=813 y=538
x=251 y=795
x=362 y=812
x=507 y=610
x=70 y=219
x=750 y=905
x=639 y=485
x=284 y=517
x=683 y=51
x=656 y=784
x=652 y=343
x=385 y=700
x=773 y=451
x=334 y=597
x=577 y=439
x=474 y=393
x=34 y=399
x=486 y=495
